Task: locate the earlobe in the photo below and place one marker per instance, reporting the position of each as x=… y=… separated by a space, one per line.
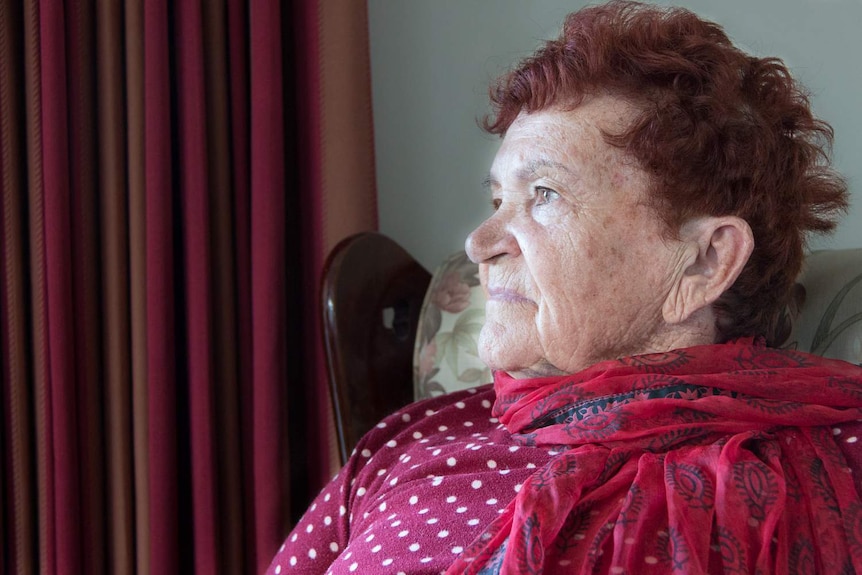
x=717 y=249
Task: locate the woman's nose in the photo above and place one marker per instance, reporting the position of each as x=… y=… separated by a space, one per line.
x=491 y=240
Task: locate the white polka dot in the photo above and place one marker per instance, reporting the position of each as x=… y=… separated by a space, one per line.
x=369 y=538
x=649 y=559
x=382 y=507
x=432 y=521
x=486 y=404
x=413 y=500
x=491 y=501
x=437 y=481
x=342 y=510
x=393 y=481
x=514 y=448
x=333 y=547
x=391 y=443
x=436 y=452
x=313 y=507
x=476 y=484
x=853 y=439
x=327 y=520
x=836 y=431
x=429 y=412
x=386 y=562
x=505 y=471
x=293 y=561
x=327 y=497
x=280 y=549
x=361 y=491
x=443 y=533
x=423 y=560
x=473 y=522
x=293 y=537
x=423 y=511
x=414 y=547
x=417 y=435
x=442 y=428
x=406 y=417
x=518 y=488
x=531 y=466
x=461 y=510
x=457 y=549
x=381 y=425
x=381 y=472
x=278 y=567
x=404 y=533
x=310 y=528
x=376 y=548
x=451 y=462
x=353 y=567
x=460 y=405
x=312 y=553
x=451 y=499
x=492 y=464
x=395 y=523
x=366 y=453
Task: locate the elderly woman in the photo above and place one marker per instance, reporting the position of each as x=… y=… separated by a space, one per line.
x=650 y=199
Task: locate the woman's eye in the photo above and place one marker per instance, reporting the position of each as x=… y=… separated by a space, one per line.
x=546 y=195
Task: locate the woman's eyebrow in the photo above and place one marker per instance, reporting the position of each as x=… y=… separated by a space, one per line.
x=533 y=166
x=526 y=172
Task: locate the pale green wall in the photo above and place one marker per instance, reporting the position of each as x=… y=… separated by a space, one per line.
x=431 y=61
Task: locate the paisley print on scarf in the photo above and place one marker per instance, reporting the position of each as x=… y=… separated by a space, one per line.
x=692 y=484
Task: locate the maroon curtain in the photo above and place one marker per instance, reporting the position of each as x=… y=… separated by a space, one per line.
x=173 y=175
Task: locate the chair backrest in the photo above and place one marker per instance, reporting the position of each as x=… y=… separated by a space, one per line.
x=371 y=296
x=827 y=321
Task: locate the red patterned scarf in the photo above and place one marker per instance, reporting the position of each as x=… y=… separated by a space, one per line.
x=712 y=459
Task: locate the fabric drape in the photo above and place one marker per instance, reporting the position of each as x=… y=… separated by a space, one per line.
x=171 y=184
x=717 y=458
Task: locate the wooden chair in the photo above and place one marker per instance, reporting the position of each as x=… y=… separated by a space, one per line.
x=372 y=294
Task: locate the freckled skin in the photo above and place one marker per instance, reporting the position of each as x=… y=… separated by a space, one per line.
x=575 y=265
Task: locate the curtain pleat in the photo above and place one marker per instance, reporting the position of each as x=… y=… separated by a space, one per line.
x=173 y=175
x=268 y=271
x=114 y=252
x=133 y=33
x=19 y=509
x=225 y=357
x=162 y=414
x=84 y=312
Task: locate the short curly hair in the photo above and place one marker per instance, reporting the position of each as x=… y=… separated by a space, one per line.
x=719 y=132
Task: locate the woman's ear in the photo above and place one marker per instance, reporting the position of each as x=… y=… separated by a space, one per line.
x=718 y=249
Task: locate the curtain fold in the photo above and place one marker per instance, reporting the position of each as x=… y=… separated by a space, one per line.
x=173 y=175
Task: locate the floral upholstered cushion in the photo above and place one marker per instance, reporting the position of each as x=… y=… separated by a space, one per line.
x=826 y=318
x=445 y=357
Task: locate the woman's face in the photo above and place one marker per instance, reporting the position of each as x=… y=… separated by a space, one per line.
x=575 y=265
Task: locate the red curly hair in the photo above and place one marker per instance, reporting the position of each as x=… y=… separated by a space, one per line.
x=719 y=132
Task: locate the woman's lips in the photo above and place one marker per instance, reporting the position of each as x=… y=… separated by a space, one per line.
x=507 y=296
